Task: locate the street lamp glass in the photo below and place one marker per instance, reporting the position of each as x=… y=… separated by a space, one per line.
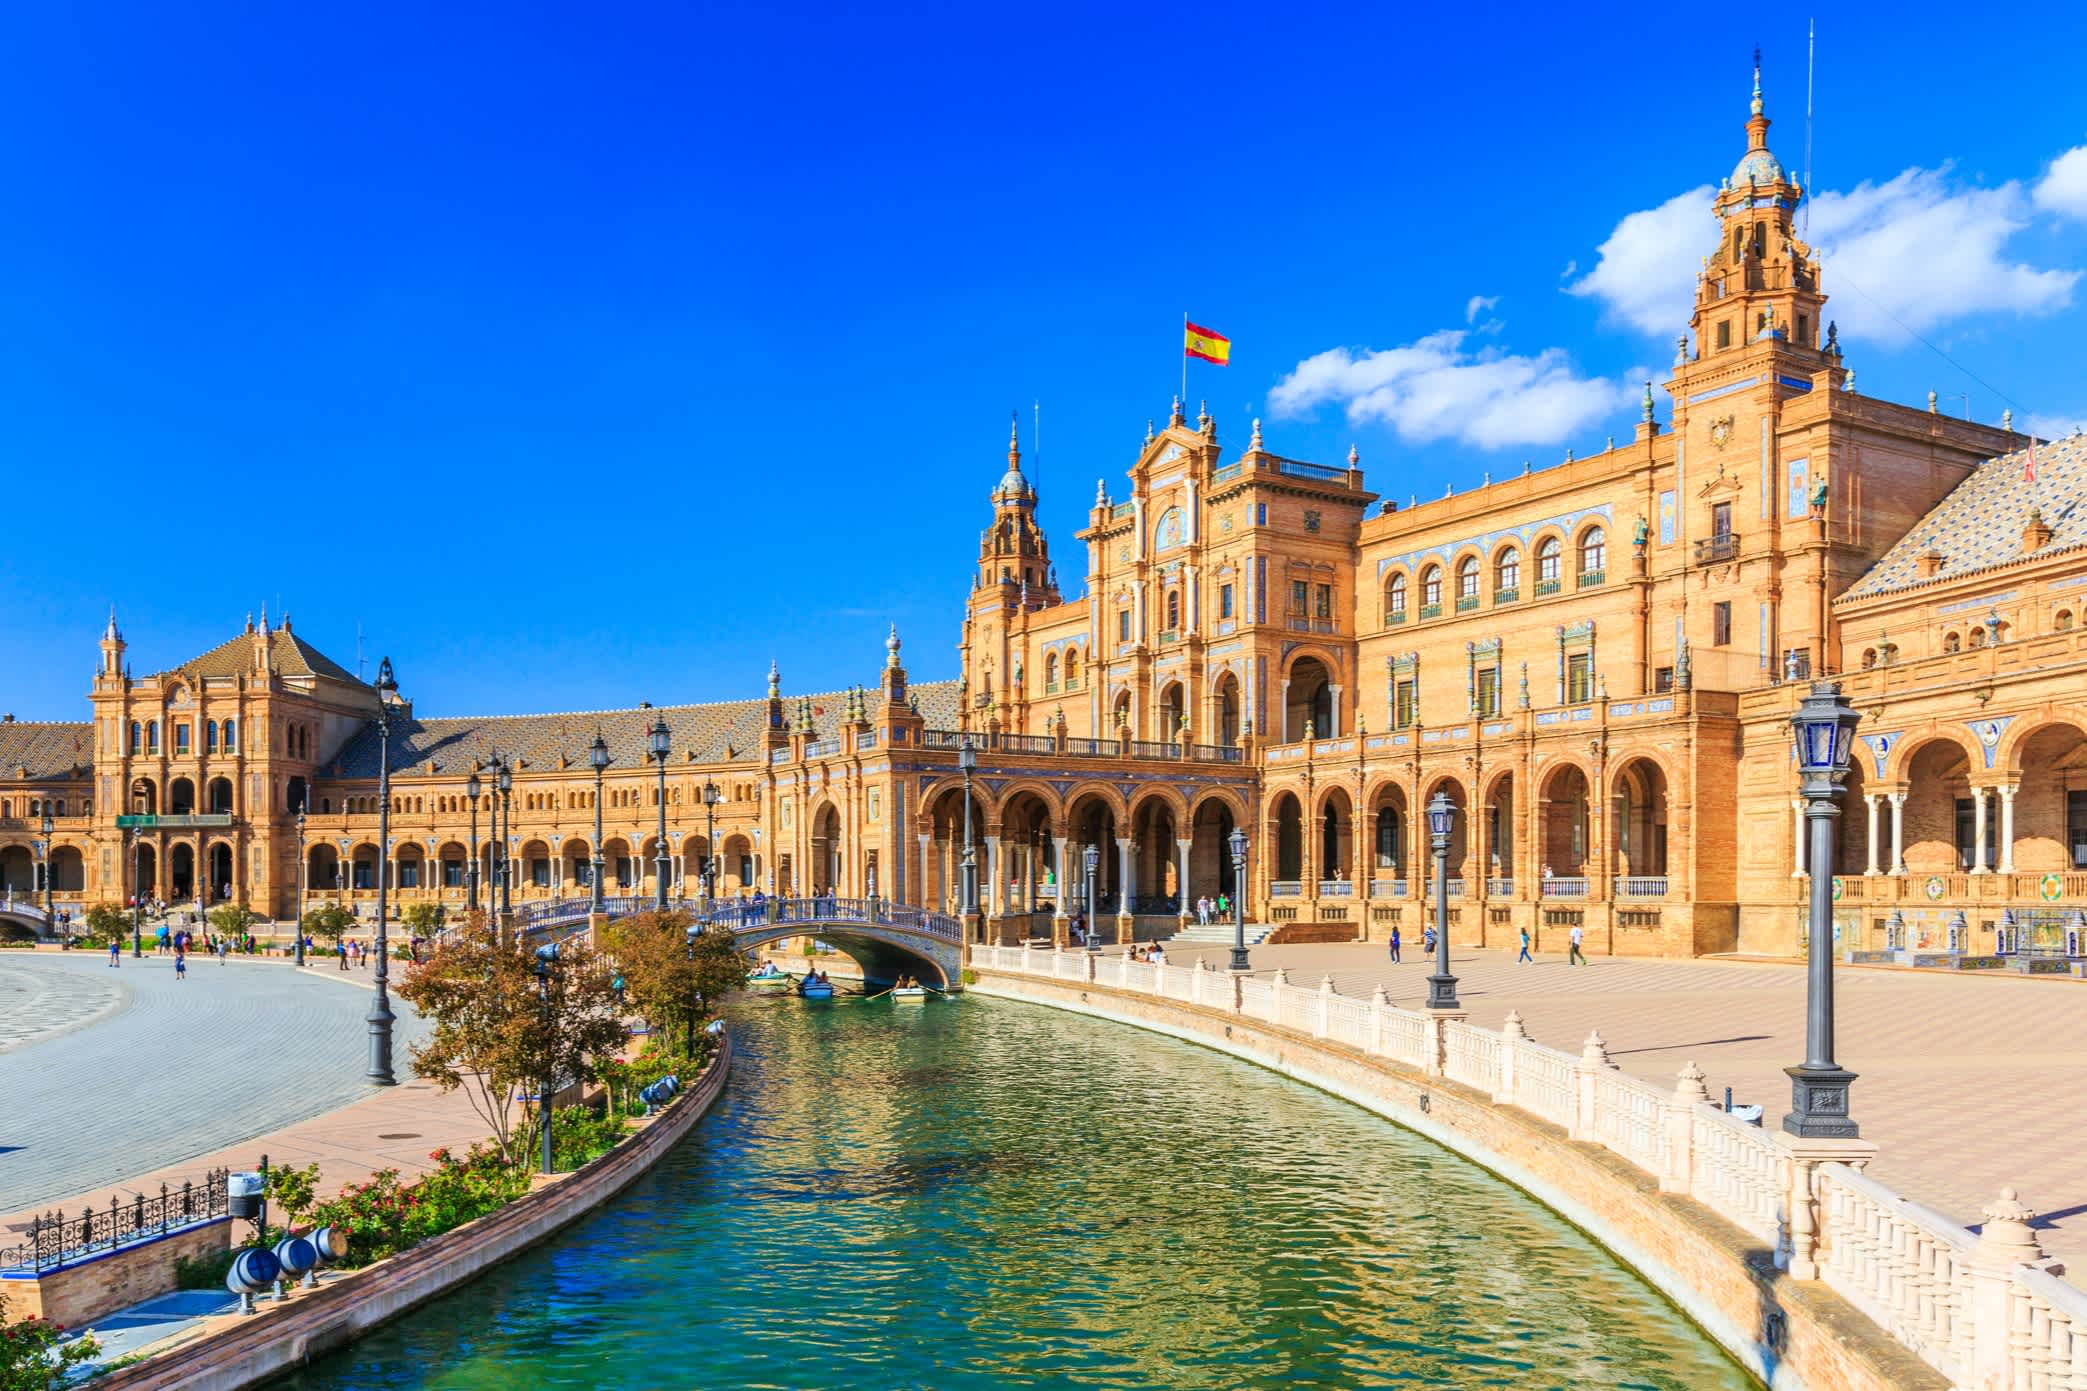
x=1238 y=845
x=48 y=827
x=505 y=779
x=387 y=687
x=1824 y=726
x=967 y=758
x=1092 y=855
x=472 y=786
x=661 y=741
x=711 y=795
x=598 y=751
x=1440 y=815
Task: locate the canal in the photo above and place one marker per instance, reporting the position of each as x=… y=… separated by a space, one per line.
x=978 y=1193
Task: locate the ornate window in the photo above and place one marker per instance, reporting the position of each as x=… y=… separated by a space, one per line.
x=1548 y=553
x=1072 y=665
x=1395 y=600
x=231 y=732
x=1594 y=555
x=1507 y=573
x=1168 y=533
x=1467 y=577
x=1431 y=587
x=1952 y=642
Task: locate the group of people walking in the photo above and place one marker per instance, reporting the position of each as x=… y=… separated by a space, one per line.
x=1574 y=955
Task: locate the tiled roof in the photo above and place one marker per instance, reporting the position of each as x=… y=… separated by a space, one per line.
x=1980 y=524
x=48 y=751
x=293 y=657
x=729 y=731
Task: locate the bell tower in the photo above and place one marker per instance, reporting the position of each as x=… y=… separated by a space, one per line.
x=111 y=650
x=1761 y=285
x=1014 y=558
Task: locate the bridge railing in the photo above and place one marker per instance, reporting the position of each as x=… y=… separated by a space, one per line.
x=742 y=914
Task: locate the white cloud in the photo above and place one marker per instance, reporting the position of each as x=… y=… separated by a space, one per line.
x=1920 y=245
x=2063 y=188
x=2052 y=426
x=1929 y=252
x=1435 y=389
x=1477 y=303
x=1647 y=273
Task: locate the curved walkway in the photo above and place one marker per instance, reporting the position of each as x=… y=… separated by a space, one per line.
x=121 y=1072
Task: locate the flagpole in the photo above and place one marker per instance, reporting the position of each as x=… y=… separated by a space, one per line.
x=1184 y=356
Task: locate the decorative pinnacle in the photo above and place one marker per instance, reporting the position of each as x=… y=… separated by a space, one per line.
x=1203 y=420
x=1101 y=492
x=775 y=681
x=1014 y=437
x=1174 y=417
x=891 y=647
x=1681 y=351
x=1648 y=403
x=1757 y=80
x=1255 y=442
x=1354 y=458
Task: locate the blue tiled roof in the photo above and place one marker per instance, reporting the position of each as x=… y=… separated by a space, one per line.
x=1980 y=524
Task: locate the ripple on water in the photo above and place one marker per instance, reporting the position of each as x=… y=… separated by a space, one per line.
x=983 y=1194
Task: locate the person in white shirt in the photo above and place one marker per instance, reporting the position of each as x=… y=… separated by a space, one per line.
x=1576 y=957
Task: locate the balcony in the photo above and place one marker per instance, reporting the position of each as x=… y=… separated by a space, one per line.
x=1336 y=888
x=1286 y=888
x=1544 y=587
x=1590 y=578
x=1392 y=620
x=1565 y=888
x=1641 y=886
x=1711 y=549
x=1303 y=623
x=176 y=821
x=1507 y=596
x=1387 y=888
x=1467 y=603
x=1430 y=610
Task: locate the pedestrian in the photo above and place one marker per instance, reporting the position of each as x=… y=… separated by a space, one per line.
x=1525 y=946
x=1203 y=910
x=115 y=954
x=1224 y=905
x=1576 y=957
x=1394 y=944
x=160 y=941
x=341 y=949
x=180 y=964
x=1427 y=939
x=224 y=952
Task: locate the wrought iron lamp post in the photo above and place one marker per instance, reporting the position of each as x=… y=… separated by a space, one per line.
x=1442 y=986
x=1238 y=844
x=662 y=742
x=380 y=1015
x=303 y=888
x=712 y=795
x=1824 y=726
x=546 y=963
x=137 y=898
x=598 y=755
x=472 y=787
x=1090 y=858
x=688 y=1046
x=967 y=760
x=504 y=785
x=50 y=848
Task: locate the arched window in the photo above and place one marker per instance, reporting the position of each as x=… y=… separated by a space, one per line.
x=1051 y=671
x=1978 y=637
x=1507 y=573
x=1395 y=600
x=210 y=736
x=1548 y=553
x=231 y=736
x=152 y=736
x=2064 y=621
x=1467 y=578
x=137 y=734
x=1869 y=658
x=1594 y=554
x=1952 y=642
x=1431 y=587
x=1072 y=665
x=1173 y=610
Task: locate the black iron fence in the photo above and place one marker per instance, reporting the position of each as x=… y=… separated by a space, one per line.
x=54 y=1239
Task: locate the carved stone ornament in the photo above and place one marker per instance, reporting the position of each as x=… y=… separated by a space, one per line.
x=1721 y=431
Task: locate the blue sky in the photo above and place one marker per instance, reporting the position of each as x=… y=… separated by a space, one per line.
x=585 y=357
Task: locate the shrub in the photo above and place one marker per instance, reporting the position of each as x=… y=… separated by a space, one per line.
x=232 y=919
x=328 y=921
x=425 y=919
x=384 y=1217
x=107 y=922
x=34 y=1354
x=205 y=1272
x=579 y=1133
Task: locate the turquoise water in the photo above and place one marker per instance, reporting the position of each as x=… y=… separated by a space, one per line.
x=979 y=1193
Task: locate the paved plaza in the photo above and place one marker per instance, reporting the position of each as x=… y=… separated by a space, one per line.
x=1968 y=1083
x=112 y=1074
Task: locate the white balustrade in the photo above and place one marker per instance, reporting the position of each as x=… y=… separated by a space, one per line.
x=1348 y=1021
x=1471 y=1055
x=1630 y=1116
x=1256 y=999
x=1738 y=1173
x=1907 y=1268
x=2046 y=1331
x=1544 y=1082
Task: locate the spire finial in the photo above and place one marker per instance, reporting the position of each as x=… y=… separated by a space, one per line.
x=1354 y=457
x=1203 y=421
x=109 y=634
x=1101 y=492
x=1148 y=429
x=1175 y=417
x=1681 y=351
x=264 y=617
x=775 y=681
x=1014 y=437
x=891 y=647
x=1255 y=442
x=1757 y=80
x=1648 y=403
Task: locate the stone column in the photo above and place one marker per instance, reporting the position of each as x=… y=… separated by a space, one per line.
x=1872 y=800
x=2007 y=828
x=1126 y=867
x=1058 y=913
x=1335 y=692
x=1898 y=832
x=1594 y=1059
x=1689 y=1092
x=921 y=885
x=1797 y=844
x=1183 y=907
x=996 y=892
x=1978 y=832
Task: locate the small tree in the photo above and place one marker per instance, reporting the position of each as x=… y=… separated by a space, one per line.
x=328 y=921
x=425 y=919
x=498 y=1032
x=233 y=919
x=34 y=1354
x=671 y=979
x=108 y=922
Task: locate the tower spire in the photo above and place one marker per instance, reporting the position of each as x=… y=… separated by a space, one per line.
x=1014 y=439
x=1757 y=80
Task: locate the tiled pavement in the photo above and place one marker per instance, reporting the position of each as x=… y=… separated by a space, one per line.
x=183 y=1072
x=1967 y=1083
x=35 y=1003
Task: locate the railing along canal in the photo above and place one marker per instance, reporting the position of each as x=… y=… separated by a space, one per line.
x=1982 y=1309
x=53 y=1240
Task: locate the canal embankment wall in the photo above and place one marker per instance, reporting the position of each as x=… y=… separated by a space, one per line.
x=243 y=1351
x=1731 y=1279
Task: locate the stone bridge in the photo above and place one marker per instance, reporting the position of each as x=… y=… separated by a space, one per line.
x=886 y=939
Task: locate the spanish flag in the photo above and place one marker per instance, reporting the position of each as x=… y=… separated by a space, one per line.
x=1202 y=343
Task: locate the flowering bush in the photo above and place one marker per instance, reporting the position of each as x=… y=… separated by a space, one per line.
x=578 y=1135
x=34 y=1354
x=384 y=1216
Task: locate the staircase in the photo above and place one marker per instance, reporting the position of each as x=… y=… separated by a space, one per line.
x=1219 y=934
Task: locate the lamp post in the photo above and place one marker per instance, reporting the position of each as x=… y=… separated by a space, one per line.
x=1238 y=844
x=303 y=889
x=712 y=795
x=472 y=787
x=380 y=1015
x=662 y=741
x=1090 y=857
x=1824 y=726
x=137 y=899
x=967 y=760
x=504 y=785
x=598 y=755
x=1442 y=986
x=688 y=1047
x=546 y=963
x=50 y=845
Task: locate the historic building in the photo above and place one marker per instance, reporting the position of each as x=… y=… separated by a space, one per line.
x=1594 y=662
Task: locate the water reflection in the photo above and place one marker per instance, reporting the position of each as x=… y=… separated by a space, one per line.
x=981 y=1194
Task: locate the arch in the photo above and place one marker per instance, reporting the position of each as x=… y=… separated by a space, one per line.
x=68 y=870
x=1459 y=829
x=181 y=871
x=1231 y=800
x=452 y=865
x=1952 y=641
x=1497 y=803
x=1507 y=569
x=1592 y=549
x=1333 y=822
x=1978 y=638
x=181 y=797
x=1121 y=710
x=1095 y=816
x=1072 y=666
x=409 y=866
x=2062 y=621
x=1389 y=832
x=1430 y=590
x=1549 y=551
x=1565 y=813
x=1212 y=820
x=1395 y=598
x=144 y=878
x=1158 y=821
x=218 y=796
x=2050 y=800
x=1638 y=793
x=1467 y=573
x=231 y=736
x=18 y=871
x=144 y=796
x=1050 y=671
x=220 y=885
x=1028 y=874
x=1288 y=818
x=1173 y=711
x=1176 y=803
x=362 y=866
x=322 y=867
x=1308 y=698
x=1225 y=707
x=1898 y=767
x=619 y=866
x=736 y=874
x=1938 y=814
